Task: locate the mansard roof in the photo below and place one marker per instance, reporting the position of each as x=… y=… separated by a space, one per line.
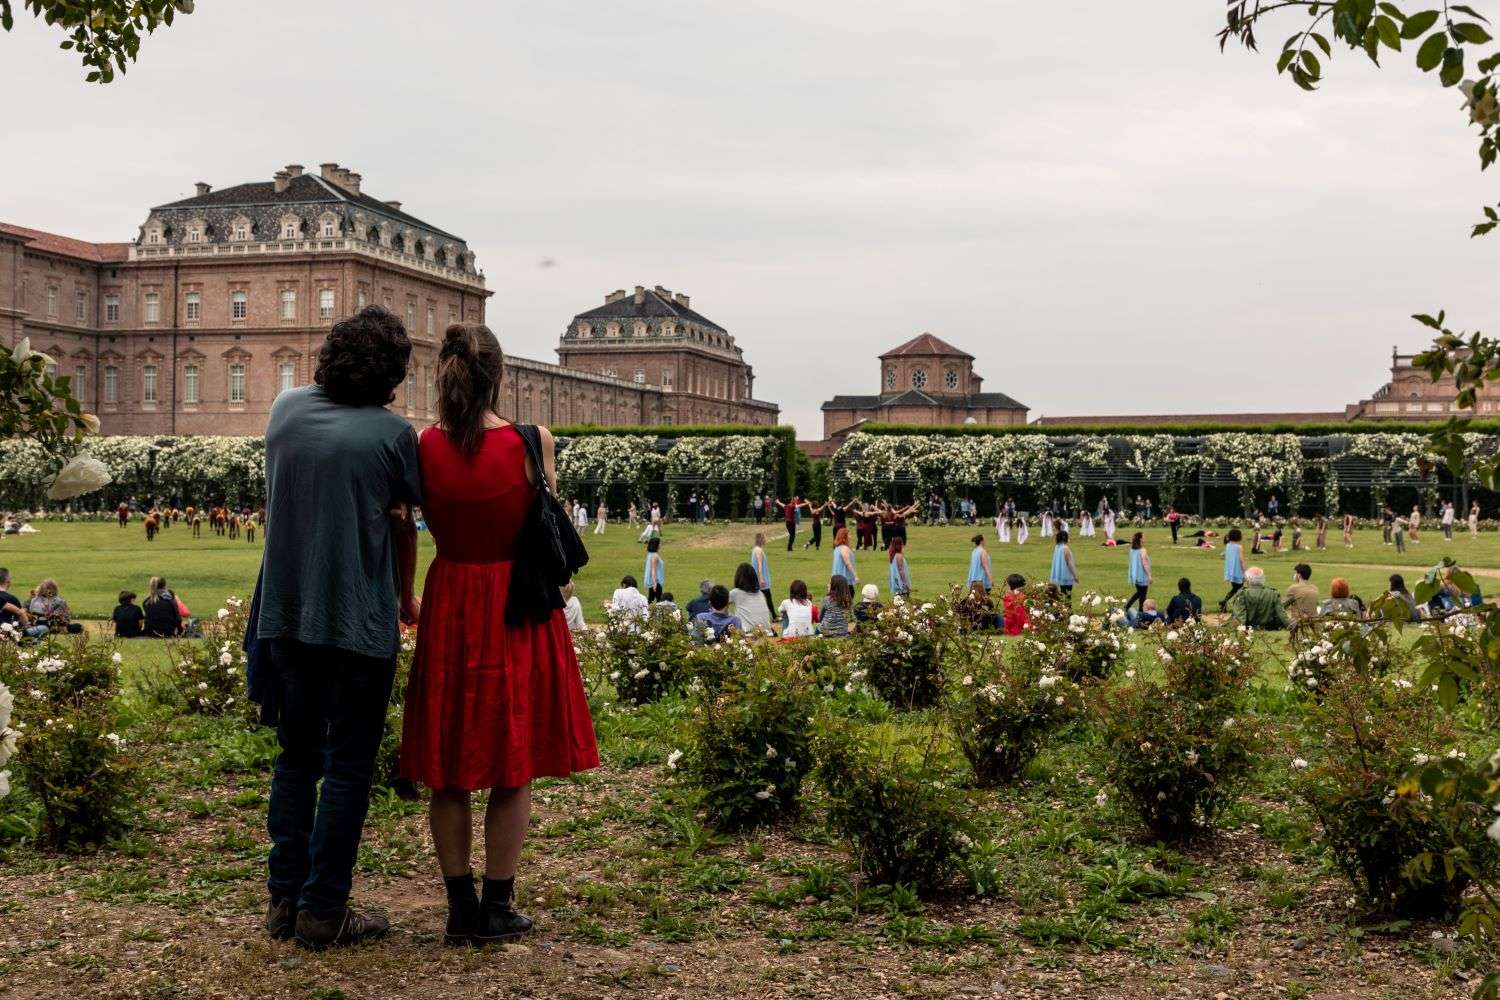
x=926 y=344
x=300 y=190
x=653 y=305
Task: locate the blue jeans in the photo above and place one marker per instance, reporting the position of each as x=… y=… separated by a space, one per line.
x=333 y=706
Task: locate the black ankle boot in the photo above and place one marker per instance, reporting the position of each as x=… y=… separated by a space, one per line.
x=463 y=909
x=498 y=919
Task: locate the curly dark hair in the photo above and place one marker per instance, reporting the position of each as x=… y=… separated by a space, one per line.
x=364 y=359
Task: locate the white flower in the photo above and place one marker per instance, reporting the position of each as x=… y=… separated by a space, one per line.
x=81 y=475
x=1493 y=831
x=202 y=685
x=1298 y=764
x=114 y=740
x=673 y=758
x=968 y=680
x=5 y=790
x=770 y=752
x=1046 y=681
x=223 y=613
x=51 y=665
x=225 y=659
x=1192 y=756
x=1101 y=799
x=641 y=673
x=1171 y=636
x=116 y=658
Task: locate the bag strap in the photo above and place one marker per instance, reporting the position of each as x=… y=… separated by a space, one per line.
x=533 y=440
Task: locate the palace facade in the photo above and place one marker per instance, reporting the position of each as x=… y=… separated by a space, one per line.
x=222 y=300
x=924 y=382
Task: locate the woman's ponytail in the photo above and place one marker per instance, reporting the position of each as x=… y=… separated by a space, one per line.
x=470 y=364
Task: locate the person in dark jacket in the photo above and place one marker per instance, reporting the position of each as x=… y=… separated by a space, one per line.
x=1186 y=606
x=163 y=620
x=128 y=617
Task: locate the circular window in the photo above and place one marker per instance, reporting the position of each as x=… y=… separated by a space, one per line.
x=890 y=378
x=951 y=378
x=919 y=378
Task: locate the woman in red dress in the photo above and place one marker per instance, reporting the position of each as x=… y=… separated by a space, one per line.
x=488 y=705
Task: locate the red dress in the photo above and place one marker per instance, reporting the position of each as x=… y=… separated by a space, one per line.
x=488 y=705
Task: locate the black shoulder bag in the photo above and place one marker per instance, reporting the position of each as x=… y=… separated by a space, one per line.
x=548 y=549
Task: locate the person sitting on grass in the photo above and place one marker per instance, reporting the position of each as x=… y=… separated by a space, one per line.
x=1147 y=616
x=129 y=619
x=1301 y=600
x=836 y=608
x=48 y=606
x=977 y=607
x=799 y=615
x=627 y=600
x=572 y=609
x=1340 y=601
x=1257 y=605
x=667 y=607
x=1186 y=606
x=1400 y=604
x=1014 y=611
x=699 y=604
x=869 y=605
x=716 y=623
x=749 y=603
x=13 y=611
x=163 y=617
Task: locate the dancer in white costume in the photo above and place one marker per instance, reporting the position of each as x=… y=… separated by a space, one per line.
x=601 y=519
x=1022 y=532
x=634 y=515
x=1109 y=525
x=581 y=516
x=1002 y=528
x=1047 y=524
x=1085 y=525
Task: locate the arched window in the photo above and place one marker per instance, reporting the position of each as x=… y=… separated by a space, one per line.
x=919 y=378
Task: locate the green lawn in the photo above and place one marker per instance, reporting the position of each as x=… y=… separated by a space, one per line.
x=93 y=562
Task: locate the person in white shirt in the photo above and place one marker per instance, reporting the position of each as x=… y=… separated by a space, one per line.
x=797 y=613
x=628 y=601
x=572 y=609
x=581 y=515
x=749 y=604
x=601 y=519
x=1448 y=518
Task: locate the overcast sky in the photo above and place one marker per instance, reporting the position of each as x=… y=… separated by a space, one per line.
x=1110 y=214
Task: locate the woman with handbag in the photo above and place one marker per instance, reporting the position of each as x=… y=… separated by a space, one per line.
x=495 y=697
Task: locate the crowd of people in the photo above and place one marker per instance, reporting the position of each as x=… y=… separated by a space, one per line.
x=162 y=615
x=224 y=521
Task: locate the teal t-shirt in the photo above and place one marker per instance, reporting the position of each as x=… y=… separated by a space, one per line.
x=333 y=474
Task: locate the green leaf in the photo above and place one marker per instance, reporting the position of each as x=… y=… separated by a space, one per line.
x=1489 y=63
x=1390 y=34
x=1311 y=62
x=1453 y=67
x=1285 y=60
x=1462 y=9
x=1393 y=11
x=1470 y=32
x=1431 y=52
x=1416 y=26
x=1322 y=44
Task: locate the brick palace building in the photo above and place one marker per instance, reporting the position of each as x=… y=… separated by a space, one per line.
x=223 y=299
x=924 y=382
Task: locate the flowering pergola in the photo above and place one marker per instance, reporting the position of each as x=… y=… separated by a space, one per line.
x=1196 y=472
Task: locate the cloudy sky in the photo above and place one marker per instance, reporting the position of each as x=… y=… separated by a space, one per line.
x=1110 y=214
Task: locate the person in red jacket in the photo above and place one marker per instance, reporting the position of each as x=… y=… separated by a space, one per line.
x=1015 y=614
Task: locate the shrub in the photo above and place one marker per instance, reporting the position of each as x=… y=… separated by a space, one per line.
x=749 y=744
x=1327 y=650
x=899 y=652
x=68 y=754
x=211 y=672
x=1004 y=706
x=7 y=737
x=1362 y=738
x=1178 y=749
x=645 y=658
x=897 y=808
x=1073 y=643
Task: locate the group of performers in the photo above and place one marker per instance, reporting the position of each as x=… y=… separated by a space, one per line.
x=222 y=521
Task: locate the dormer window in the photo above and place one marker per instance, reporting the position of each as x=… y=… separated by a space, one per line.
x=639 y=329
x=409 y=242
x=241 y=230
x=330 y=228
x=584 y=330
x=154 y=234
x=612 y=329
x=385 y=234
x=195 y=232
x=291 y=227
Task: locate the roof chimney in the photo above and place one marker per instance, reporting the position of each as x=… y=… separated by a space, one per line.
x=664 y=293
x=328 y=171
x=294 y=170
x=614 y=296
x=354 y=180
x=681 y=299
x=283 y=180
x=640 y=294
x=203 y=188
x=394 y=206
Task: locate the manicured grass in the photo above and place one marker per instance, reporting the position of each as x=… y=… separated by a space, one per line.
x=93 y=562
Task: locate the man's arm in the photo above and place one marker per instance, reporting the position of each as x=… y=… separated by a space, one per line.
x=404 y=533
x=19 y=612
